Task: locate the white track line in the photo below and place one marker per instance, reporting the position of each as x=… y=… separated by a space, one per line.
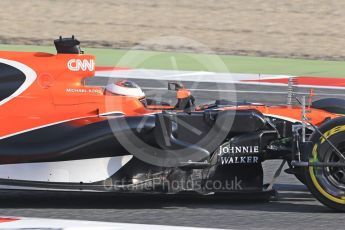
x=38 y=223
x=175 y=75
x=202 y=76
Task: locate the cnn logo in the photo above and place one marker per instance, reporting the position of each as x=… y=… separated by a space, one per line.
x=84 y=65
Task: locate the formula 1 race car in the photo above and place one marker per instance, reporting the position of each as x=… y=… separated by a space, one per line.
x=58 y=133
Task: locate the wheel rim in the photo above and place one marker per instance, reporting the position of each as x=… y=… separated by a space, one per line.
x=331 y=179
x=335 y=175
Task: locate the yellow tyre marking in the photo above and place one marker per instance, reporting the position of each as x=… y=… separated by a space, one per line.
x=331 y=132
x=322 y=191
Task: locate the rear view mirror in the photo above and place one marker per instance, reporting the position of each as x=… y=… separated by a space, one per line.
x=171 y=86
x=174 y=86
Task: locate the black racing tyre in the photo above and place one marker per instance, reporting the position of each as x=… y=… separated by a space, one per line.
x=332 y=105
x=327 y=184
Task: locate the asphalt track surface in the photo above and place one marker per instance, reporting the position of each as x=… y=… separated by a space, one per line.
x=294 y=207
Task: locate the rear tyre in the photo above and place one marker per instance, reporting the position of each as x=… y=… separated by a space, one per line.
x=327 y=184
x=332 y=105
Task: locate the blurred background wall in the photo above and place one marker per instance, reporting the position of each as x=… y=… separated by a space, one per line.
x=285 y=28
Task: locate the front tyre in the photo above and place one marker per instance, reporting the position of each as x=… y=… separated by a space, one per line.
x=327 y=184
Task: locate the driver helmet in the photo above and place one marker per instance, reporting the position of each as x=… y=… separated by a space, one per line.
x=124 y=88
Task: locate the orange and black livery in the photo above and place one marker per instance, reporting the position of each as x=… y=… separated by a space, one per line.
x=58 y=133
